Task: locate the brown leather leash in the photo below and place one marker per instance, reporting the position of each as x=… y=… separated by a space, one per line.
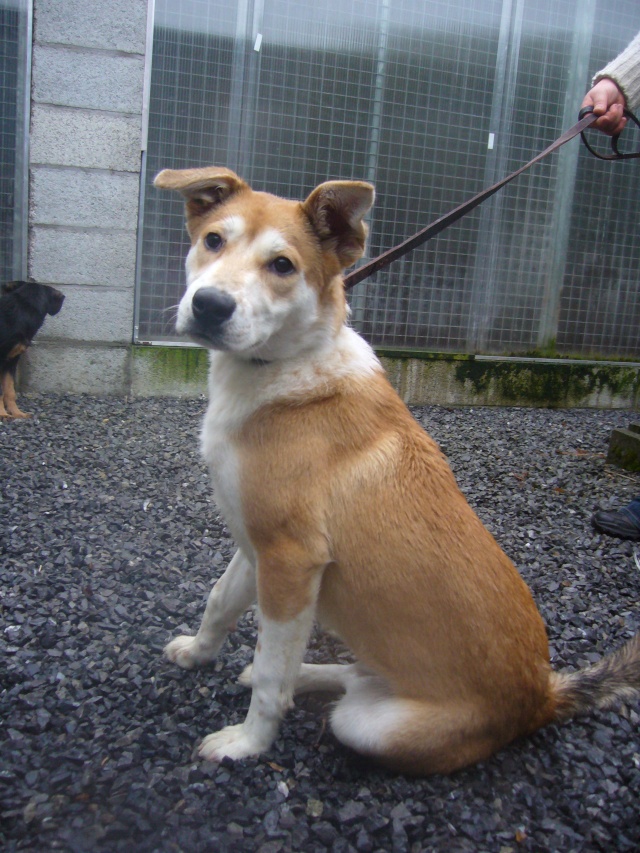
x=586 y=119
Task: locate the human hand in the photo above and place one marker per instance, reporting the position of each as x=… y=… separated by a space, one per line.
x=608 y=102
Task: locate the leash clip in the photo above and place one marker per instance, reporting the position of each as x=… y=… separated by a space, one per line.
x=617 y=154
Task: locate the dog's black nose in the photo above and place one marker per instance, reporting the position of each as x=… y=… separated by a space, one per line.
x=211 y=306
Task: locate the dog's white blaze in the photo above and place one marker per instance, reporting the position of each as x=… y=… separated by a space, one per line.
x=233 y=228
x=190 y=262
x=269 y=244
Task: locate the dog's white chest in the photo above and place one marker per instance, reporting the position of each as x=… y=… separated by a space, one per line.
x=227 y=410
x=224 y=470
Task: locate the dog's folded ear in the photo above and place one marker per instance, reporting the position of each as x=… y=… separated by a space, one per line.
x=10 y=286
x=203 y=189
x=336 y=210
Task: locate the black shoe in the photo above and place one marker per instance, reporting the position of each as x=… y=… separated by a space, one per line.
x=624 y=523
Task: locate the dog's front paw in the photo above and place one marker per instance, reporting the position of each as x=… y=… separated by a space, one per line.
x=189 y=652
x=230 y=742
x=12 y=413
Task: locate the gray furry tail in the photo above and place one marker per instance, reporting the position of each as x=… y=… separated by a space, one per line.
x=613 y=680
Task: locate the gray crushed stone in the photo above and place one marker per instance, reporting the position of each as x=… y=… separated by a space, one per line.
x=110 y=541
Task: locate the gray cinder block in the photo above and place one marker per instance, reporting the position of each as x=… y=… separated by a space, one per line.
x=83 y=198
x=60 y=255
x=116 y=25
x=62 y=369
x=92 y=314
x=86 y=138
x=92 y=79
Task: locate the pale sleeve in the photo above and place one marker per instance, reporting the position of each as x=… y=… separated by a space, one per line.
x=624 y=70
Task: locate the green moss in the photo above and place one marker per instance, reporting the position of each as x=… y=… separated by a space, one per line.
x=546 y=383
x=421 y=355
x=625 y=458
x=172 y=365
x=550 y=351
x=624 y=448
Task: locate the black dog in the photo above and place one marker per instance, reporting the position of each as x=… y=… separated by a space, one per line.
x=24 y=306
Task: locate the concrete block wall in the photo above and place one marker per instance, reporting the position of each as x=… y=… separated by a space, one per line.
x=85 y=154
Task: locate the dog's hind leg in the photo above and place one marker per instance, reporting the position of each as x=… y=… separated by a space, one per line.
x=409 y=735
x=231 y=595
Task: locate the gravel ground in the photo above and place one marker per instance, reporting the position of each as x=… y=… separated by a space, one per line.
x=109 y=545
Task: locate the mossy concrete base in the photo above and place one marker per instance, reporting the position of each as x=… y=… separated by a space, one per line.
x=443 y=379
x=452 y=380
x=493 y=381
x=159 y=371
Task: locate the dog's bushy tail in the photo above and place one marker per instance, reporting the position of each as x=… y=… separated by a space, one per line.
x=611 y=681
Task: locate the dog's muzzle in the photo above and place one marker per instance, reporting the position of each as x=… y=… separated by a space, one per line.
x=211 y=308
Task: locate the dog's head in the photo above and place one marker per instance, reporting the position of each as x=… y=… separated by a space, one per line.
x=42 y=297
x=264 y=274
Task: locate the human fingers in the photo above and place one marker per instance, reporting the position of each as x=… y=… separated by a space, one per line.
x=608 y=103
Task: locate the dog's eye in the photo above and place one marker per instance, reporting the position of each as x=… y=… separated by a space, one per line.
x=213 y=241
x=282 y=266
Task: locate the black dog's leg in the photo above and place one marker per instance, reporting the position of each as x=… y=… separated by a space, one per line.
x=8 y=405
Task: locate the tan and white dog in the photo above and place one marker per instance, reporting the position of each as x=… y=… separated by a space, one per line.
x=345 y=511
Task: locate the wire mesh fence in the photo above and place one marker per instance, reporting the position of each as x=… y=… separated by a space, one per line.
x=431 y=102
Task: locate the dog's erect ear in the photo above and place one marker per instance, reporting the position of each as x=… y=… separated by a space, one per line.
x=336 y=210
x=203 y=189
